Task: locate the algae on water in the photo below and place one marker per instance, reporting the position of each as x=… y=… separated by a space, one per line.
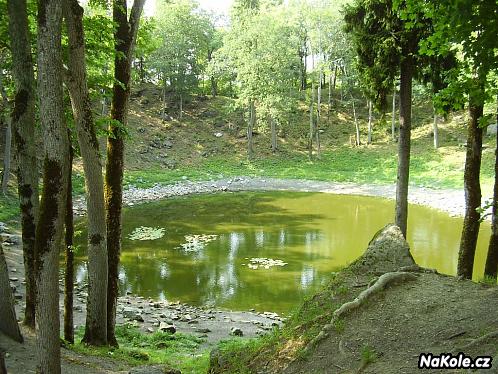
x=194 y=243
x=265 y=263
x=147 y=233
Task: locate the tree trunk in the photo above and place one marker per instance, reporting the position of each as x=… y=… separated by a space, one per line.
x=212 y=79
x=69 y=238
x=3 y=369
x=142 y=69
x=491 y=267
x=369 y=139
x=435 y=131
x=393 y=118
x=312 y=120
x=318 y=114
x=181 y=106
x=304 y=68
x=273 y=135
x=95 y=327
x=405 y=112
x=124 y=39
x=250 y=129
x=23 y=126
x=356 y=125
x=214 y=87
x=7 y=154
x=472 y=188
x=49 y=230
x=8 y=320
x=6 y=158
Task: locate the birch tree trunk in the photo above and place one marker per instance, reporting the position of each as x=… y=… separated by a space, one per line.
x=250 y=129
x=69 y=254
x=405 y=113
x=49 y=230
x=273 y=135
x=125 y=36
x=356 y=125
x=318 y=114
x=393 y=118
x=95 y=327
x=435 y=130
x=8 y=320
x=369 y=140
x=312 y=120
x=23 y=126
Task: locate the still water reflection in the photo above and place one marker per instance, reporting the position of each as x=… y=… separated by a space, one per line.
x=313 y=233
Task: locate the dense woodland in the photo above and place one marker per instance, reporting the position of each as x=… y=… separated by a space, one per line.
x=68 y=70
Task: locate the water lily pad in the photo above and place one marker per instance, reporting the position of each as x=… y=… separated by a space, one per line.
x=264 y=263
x=147 y=233
x=194 y=243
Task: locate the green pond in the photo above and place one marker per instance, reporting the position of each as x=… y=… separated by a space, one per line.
x=313 y=233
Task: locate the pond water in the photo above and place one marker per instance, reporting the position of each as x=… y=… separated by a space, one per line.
x=313 y=233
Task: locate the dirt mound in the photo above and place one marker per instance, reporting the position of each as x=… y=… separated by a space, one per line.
x=379 y=314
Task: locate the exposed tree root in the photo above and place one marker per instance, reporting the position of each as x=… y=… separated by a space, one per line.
x=380 y=284
x=417 y=269
x=478 y=341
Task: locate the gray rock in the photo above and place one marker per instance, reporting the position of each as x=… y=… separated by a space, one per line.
x=139 y=318
x=9 y=238
x=164 y=327
x=203 y=330
x=235 y=331
x=155 y=369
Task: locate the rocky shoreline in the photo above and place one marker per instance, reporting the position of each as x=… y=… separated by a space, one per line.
x=447 y=200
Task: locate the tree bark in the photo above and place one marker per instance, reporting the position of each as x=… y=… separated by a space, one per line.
x=181 y=106
x=318 y=115
x=273 y=126
x=69 y=238
x=8 y=320
x=435 y=131
x=491 y=267
x=7 y=154
x=250 y=129
x=96 y=320
x=369 y=139
x=472 y=188
x=312 y=120
x=124 y=40
x=6 y=158
x=393 y=118
x=49 y=230
x=23 y=125
x=405 y=112
x=212 y=79
x=356 y=125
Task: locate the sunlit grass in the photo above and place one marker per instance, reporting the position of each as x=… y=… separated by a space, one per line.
x=179 y=351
